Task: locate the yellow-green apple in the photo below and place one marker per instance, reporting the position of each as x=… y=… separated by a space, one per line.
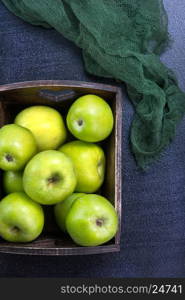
x=45 y=123
x=49 y=177
x=12 y=181
x=90 y=118
x=89 y=163
x=17 y=146
x=61 y=209
x=92 y=220
x=21 y=219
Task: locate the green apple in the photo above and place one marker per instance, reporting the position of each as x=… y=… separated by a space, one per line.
x=17 y=146
x=21 y=219
x=49 y=177
x=92 y=220
x=89 y=163
x=61 y=209
x=46 y=124
x=12 y=181
x=90 y=118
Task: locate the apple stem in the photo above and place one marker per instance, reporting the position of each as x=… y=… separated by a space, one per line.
x=99 y=222
x=9 y=158
x=80 y=122
x=15 y=229
x=53 y=179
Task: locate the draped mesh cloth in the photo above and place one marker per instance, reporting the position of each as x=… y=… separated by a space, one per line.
x=121 y=39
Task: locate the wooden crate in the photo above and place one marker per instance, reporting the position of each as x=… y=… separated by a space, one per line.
x=60 y=95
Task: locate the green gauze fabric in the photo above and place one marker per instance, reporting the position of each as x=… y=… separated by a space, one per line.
x=121 y=39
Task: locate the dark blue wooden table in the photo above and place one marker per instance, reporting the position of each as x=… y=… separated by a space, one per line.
x=153 y=229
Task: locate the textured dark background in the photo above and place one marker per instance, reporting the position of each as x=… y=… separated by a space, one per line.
x=153 y=229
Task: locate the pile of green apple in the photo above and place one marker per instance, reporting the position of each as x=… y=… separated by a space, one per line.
x=40 y=167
